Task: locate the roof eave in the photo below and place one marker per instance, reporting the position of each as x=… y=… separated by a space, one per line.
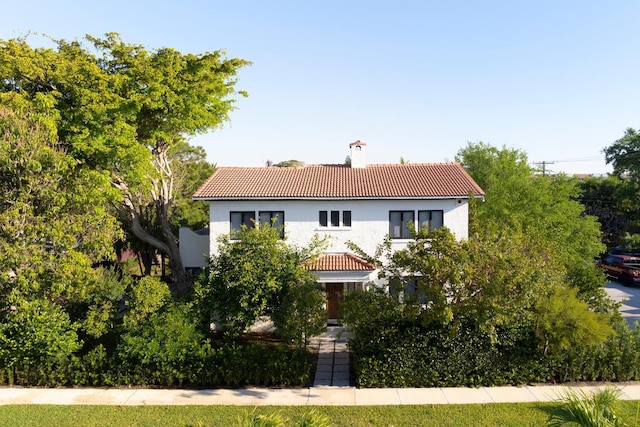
x=245 y=198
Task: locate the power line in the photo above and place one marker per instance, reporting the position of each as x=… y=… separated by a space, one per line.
x=581 y=159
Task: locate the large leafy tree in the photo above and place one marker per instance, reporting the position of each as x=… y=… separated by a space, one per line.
x=122 y=109
x=530 y=248
x=614 y=201
x=53 y=223
x=543 y=208
x=624 y=155
x=543 y=221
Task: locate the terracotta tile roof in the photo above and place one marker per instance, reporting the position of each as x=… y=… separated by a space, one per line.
x=420 y=180
x=338 y=262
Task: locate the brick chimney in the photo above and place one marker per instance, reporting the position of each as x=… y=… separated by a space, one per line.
x=358 y=158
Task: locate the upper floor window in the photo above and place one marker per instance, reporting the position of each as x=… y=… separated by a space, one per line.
x=399 y=224
x=323 y=219
x=275 y=219
x=346 y=218
x=430 y=220
x=238 y=219
x=334 y=216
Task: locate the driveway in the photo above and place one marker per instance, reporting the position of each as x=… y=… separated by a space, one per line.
x=630 y=298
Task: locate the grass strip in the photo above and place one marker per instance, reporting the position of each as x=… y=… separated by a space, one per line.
x=503 y=414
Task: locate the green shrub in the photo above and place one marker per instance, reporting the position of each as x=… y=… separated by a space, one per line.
x=618 y=359
x=260 y=364
x=167 y=349
x=594 y=410
x=301 y=312
x=33 y=337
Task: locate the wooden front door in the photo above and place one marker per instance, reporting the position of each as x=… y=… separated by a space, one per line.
x=334 y=297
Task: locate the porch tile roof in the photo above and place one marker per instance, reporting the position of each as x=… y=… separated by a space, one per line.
x=338 y=262
x=420 y=180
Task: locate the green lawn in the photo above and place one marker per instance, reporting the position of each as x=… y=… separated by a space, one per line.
x=524 y=414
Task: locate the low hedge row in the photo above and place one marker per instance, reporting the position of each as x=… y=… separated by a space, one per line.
x=230 y=365
x=415 y=357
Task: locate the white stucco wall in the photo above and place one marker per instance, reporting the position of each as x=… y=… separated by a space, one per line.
x=369 y=219
x=194 y=248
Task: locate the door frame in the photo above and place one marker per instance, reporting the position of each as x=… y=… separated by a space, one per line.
x=334 y=295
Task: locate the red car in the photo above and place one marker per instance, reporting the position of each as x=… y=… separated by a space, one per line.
x=624 y=268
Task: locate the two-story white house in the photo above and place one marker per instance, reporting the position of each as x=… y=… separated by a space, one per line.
x=355 y=202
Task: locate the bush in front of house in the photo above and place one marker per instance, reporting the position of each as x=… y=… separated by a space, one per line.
x=392 y=348
x=167 y=350
x=230 y=365
x=255 y=274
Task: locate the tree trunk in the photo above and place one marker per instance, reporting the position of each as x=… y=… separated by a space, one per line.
x=178 y=275
x=162 y=193
x=168 y=247
x=146 y=257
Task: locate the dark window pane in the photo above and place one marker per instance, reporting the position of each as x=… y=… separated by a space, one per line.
x=424 y=217
x=265 y=217
x=436 y=220
x=407 y=217
x=395 y=224
x=335 y=218
x=323 y=218
x=238 y=219
x=274 y=219
x=346 y=218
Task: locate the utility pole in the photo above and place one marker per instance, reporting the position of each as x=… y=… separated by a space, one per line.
x=544 y=164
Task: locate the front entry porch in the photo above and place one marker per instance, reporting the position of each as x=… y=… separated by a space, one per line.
x=339 y=273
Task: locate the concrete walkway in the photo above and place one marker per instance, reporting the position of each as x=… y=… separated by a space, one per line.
x=333 y=358
x=331 y=387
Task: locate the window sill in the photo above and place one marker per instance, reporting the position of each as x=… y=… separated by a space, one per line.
x=332 y=229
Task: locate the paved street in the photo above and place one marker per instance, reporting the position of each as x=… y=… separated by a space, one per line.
x=630 y=295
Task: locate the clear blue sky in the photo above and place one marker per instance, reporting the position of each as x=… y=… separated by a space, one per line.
x=413 y=79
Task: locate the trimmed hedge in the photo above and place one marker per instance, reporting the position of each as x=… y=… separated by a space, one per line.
x=412 y=356
x=415 y=357
x=230 y=365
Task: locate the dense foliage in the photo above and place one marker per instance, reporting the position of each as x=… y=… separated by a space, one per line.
x=227 y=365
x=85 y=136
x=391 y=349
x=503 y=307
x=125 y=111
x=624 y=155
x=93 y=150
x=255 y=273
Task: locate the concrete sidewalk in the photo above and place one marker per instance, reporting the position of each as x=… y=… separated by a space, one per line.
x=343 y=396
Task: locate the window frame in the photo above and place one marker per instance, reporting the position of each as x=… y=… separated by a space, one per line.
x=346 y=218
x=278 y=224
x=243 y=221
x=323 y=218
x=429 y=221
x=331 y=219
x=405 y=229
